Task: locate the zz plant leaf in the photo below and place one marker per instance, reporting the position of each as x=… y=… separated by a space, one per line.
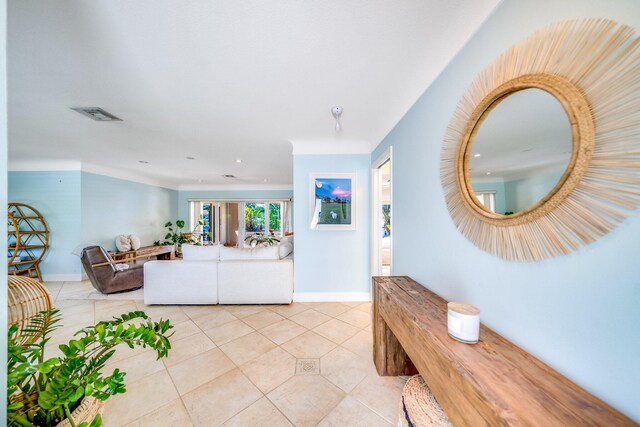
x=43 y=392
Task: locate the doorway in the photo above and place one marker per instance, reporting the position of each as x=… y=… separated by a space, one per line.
x=382 y=217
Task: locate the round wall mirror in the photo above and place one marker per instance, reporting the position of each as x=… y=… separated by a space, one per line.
x=548 y=135
x=519 y=152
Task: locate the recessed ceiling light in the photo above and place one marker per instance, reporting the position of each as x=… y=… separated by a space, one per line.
x=97 y=113
x=238 y=160
x=144 y=162
x=476 y=155
x=488 y=173
x=200 y=180
x=266 y=180
x=190 y=158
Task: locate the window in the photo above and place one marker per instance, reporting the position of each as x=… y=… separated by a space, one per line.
x=488 y=200
x=209 y=220
x=254 y=219
x=275 y=217
x=229 y=222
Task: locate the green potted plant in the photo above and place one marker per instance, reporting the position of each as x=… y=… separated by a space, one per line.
x=177 y=238
x=70 y=390
x=254 y=240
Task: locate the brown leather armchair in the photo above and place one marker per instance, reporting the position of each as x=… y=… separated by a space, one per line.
x=106 y=278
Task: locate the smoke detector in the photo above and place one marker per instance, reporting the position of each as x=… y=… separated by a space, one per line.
x=97 y=114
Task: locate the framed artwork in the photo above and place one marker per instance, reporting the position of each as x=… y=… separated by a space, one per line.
x=332 y=201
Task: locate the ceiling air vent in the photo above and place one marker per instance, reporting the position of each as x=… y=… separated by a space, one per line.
x=97 y=114
x=228 y=176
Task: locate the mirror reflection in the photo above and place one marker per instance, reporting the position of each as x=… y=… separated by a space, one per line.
x=520 y=152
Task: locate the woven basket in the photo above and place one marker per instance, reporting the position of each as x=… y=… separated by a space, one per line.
x=26 y=298
x=88 y=409
x=419 y=407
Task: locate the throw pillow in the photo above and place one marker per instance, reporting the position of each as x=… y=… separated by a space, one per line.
x=285 y=249
x=135 y=242
x=123 y=244
x=200 y=253
x=286 y=239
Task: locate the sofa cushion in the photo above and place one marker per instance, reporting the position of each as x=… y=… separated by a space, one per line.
x=265 y=252
x=200 y=253
x=255 y=282
x=285 y=249
x=286 y=239
x=180 y=282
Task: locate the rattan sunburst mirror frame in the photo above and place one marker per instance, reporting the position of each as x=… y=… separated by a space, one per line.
x=592 y=68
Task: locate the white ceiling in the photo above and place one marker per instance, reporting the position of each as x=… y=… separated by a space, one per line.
x=527 y=133
x=219 y=80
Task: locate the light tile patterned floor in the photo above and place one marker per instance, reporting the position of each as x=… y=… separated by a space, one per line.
x=303 y=364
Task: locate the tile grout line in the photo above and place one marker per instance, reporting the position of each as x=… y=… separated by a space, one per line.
x=278 y=409
x=232 y=362
x=153 y=410
x=265 y=395
x=261 y=392
x=236 y=366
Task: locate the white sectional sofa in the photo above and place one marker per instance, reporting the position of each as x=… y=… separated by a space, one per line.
x=222 y=275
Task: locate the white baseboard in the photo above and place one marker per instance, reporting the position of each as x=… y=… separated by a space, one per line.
x=77 y=277
x=331 y=296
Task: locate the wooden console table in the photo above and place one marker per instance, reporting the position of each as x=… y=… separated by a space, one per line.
x=491 y=383
x=166 y=252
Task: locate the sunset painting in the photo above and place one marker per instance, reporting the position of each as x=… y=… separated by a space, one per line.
x=333 y=201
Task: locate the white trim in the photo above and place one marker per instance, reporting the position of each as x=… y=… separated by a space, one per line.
x=55 y=165
x=239 y=187
x=126 y=176
x=331 y=296
x=242 y=199
x=75 y=277
x=382 y=158
x=376 y=240
x=42 y=165
x=335 y=145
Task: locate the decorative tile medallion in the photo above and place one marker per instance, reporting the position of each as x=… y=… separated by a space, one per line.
x=308 y=367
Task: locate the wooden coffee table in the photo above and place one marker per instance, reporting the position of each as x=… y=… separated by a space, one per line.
x=166 y=252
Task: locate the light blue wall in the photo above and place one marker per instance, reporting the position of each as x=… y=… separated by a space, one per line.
x=184 y=196
x=112 y=206
x=56 y=195
x=84 y=208
x=523 y=193
x=497 y=188
x=332 y=261
x=578 y=313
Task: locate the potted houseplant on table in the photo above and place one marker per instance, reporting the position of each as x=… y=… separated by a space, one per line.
x=70 y=390
x=177 y=238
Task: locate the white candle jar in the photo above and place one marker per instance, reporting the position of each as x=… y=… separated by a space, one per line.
x=463 y=322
